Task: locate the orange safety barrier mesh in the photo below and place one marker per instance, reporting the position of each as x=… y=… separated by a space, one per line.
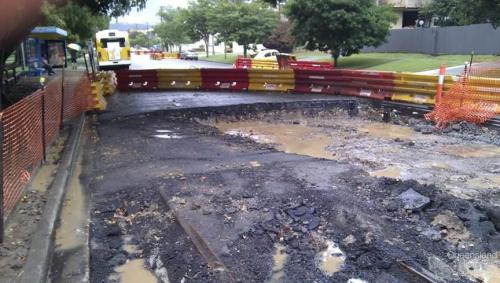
x=474 y=98
x=22 y=146
x=77 y=89
x=32 y=122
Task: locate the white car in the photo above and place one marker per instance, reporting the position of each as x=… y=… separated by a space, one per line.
x=267 y=54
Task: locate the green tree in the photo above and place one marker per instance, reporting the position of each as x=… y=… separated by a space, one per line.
x=80 y=22
x=342 y=27
x=17 y=23
x=243 y=22
x=462 y=12
x=281 y=38
x=173 y=28
x=138 y=39
x=113 y=8
x=275 y=3
x=197 y=18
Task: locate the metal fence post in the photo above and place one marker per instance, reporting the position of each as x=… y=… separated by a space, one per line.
x=1 y=185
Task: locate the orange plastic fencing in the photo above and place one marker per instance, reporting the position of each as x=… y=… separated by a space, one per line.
x=33 y=122
x=77 y=90
x=474 y=98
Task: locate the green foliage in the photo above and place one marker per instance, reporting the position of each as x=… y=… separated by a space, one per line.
x=113 y=8
x=463 y=12
x=274 y=3
x=172 y=30
x=197 y=18
x=80 y=22
x=243 y=22
x=342 y=27
x=281 y=38
x=138 y=39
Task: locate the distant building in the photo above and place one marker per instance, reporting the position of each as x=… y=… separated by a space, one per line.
x=407 y=11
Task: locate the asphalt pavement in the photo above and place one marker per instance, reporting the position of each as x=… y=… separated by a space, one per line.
x=141 y=62
x=131 y=103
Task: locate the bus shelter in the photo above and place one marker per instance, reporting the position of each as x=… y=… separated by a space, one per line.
x=46 y=44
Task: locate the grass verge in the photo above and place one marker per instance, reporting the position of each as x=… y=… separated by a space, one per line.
x=397 y=62
x=219 y=58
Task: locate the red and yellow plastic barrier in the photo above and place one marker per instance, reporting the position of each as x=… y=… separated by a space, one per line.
x=179 y=79
x=405 y=87
x=271 y=80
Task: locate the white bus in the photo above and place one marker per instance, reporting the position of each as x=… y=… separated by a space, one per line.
x=113 y=49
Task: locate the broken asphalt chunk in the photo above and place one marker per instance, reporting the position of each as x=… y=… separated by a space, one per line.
x=412 y=200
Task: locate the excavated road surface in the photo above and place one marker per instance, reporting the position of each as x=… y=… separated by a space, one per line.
x=175 y=198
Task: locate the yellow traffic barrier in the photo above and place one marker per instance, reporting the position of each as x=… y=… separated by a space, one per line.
x=419 y=89
x=109 y=82
x=411 y=77
x=170 y=55
x=265 y=64
x=97 y=99
x=271 y=80
x=179 y=79
x=413 y=98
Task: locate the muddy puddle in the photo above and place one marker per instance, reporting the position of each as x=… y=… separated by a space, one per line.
x=134 y=271
x=297 y=139
x=45 y=174
x=393 y=172
x=331 y=259
x=472 y=151
x=387 y=131
x=280 y=258
x=73 y=221
x=167 y=135
x=382 y=149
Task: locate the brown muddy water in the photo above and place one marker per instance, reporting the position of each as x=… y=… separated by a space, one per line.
x=298 y=139
x=73 y=219
x=461 y=167
x=384 y=150
x=133 y=271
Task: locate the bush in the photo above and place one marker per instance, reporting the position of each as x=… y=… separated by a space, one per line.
x=281 y=38
x=200 y=48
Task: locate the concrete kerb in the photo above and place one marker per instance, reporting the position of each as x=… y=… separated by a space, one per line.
x=42 y=244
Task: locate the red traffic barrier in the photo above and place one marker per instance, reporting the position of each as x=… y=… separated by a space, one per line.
x=315 y=81
x=306 y=65
x=224 y=79
x=374 y=85
x=136 y=80
x=243 y=63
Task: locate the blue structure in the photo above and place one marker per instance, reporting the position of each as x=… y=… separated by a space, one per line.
x=46 y=44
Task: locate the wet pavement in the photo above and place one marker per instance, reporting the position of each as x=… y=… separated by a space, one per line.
x=287 y=192
x=132 y=103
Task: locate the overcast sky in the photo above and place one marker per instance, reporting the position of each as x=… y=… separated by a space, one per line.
x=148 y=15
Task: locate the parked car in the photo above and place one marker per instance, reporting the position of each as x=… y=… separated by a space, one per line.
x=189 y=55
x=267 y=54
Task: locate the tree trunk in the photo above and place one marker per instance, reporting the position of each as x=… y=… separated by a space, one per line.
x=206 y=46
x=213 y=45
x=245 y=47
x=225 y=51
x=335 y=56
